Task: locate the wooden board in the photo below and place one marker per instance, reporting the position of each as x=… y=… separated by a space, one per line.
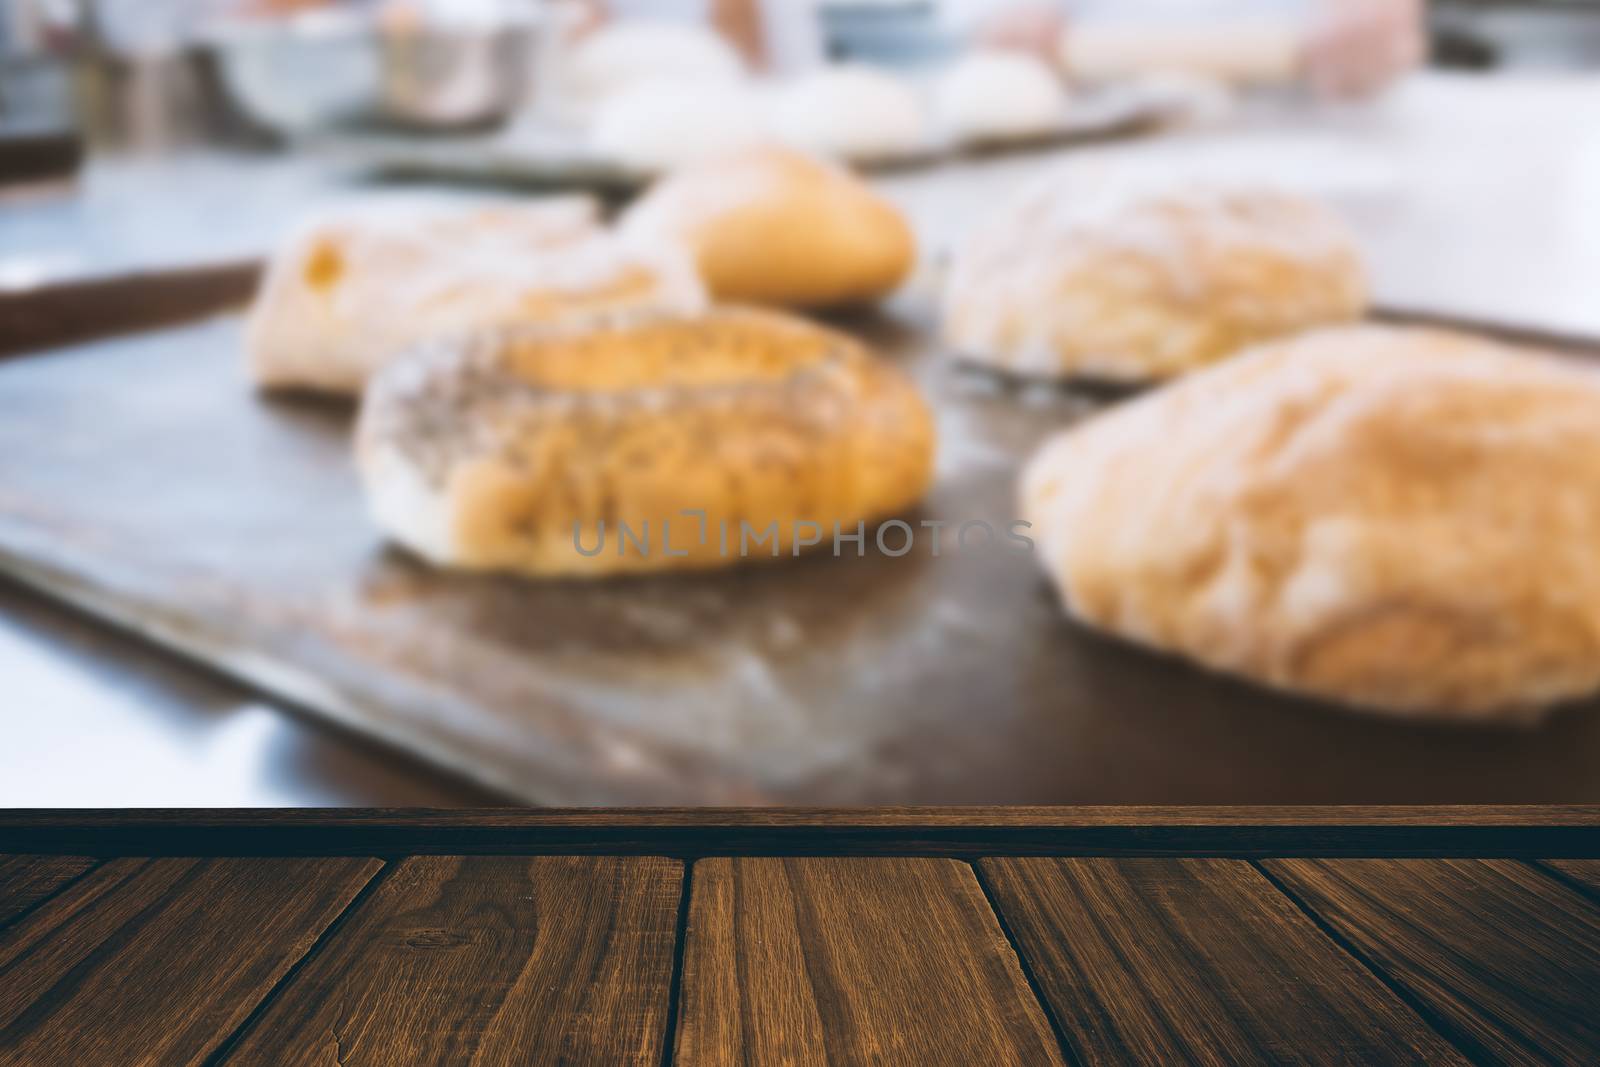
x=1124 y=830
x=1584 y=872
x=143 y=479
x=488 y=960
x=1165 y=961
x=27 y=880
x=888 y=957
x=829 y=960
x=1506 y=958
x=157 y=961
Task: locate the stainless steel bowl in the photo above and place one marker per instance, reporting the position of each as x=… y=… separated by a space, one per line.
x=455 y=76
x=296 y=74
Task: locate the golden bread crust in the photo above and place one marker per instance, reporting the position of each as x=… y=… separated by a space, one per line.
x=349 y=292
x=751 y=417
x=1403 y=520
x=773 y=226
x=1081 y=279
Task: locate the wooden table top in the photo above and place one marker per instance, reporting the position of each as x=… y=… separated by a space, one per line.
x=960 y=936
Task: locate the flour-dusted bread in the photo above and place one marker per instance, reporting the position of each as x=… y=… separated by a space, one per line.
x=773 y=226
x=1105 y=277
x=851 y=111
x=531 y=451
x=349 y=291
x=1397 y=519
x=998 y=96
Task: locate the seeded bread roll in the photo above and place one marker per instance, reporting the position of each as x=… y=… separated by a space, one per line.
x=528 y=452
x=351 y=290
x=773 y=226
x=1131 y=281
x=1402 y=520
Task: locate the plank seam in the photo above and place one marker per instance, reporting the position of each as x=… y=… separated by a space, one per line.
x=53 y=894
x=669 y=1041
x=1464 y=1042
x=1557 y=874
x=225 y=1049
x=1068 y=1053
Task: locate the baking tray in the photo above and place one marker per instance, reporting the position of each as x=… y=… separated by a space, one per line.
x=142 y=479
x=547 y=153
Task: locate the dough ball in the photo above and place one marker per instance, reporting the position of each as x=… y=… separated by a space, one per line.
x=356 y=288
x=851 y=112
x=629 y=51
x=995 y=96
x=528 y=451
x=1397 y=519
x=1128 y=281
x=654 y=126
x=773 y=226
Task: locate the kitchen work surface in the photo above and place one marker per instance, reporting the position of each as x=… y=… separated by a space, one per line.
x=936 y=936
x=140 y=478
x=144 y=480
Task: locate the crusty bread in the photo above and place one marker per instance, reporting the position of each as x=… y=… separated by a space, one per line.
x=1128 y=281
x=348 y=291
x=529 y=451
x=1404 y=520
x=773 y=226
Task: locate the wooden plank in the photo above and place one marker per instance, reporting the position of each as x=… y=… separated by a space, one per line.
x=26 y=880
x=157 y=961
x=488 y=960
x=1196 y=961
x=1585 y=872
x=1533 y=831
x=1504 y=956
x=836 y=960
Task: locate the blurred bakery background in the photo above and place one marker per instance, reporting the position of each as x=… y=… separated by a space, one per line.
x=155 y=153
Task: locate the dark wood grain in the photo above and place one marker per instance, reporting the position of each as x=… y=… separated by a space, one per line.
x=26 y=880
x=1503 y=955
x=1196 y=961
x=156 y=961
x=842 y=961
x=488 y=960
x=1585 y=872
x=1554 y=831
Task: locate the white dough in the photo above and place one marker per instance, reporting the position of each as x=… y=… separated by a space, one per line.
x=656 y=126
x=631 y=51
x=850 y=111
x=996 y=95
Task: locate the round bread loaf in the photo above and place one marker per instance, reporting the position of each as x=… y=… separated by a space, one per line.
x=626 y=52
x=1132 y=281
x=643 y=443
x=1403 y=520
x=851 y=111
x=998 y=96
x=350 y=291
x=773 y=226
x=650 y=127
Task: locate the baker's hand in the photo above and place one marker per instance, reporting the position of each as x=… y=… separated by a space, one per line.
x=1356 y=47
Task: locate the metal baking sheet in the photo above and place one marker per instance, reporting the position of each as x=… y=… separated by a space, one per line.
x=143 y=479
x=551 y=154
